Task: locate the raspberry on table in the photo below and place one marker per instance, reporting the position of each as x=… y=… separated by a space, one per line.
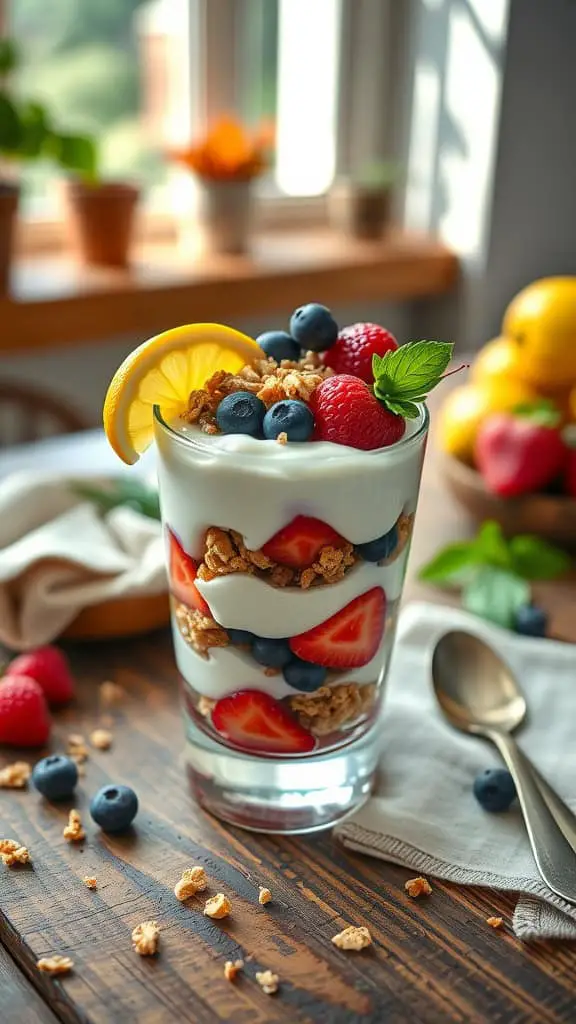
x=24 y=717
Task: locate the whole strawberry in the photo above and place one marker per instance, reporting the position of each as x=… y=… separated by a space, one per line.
x=521 y=452
x=352 y=353
x=347 y=411
x=24 y=717
x=50 y=669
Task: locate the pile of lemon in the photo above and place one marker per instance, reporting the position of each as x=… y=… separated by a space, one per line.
x=534 y=356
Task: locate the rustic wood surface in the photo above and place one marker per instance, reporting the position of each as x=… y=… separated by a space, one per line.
x=434 y=961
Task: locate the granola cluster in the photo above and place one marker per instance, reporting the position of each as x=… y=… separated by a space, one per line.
x=268 y=982
x=55 y=964
x=217 y=906
x=15 y=776
x=101 y=739
x=264 y=895
x=270 y=381
x=198 y=630
x=193 y=880
x=12 y=852
x=231 y=969
x=74 y=831
x=353 y=938
x=225 y=552
x=145 y=938
x=416 y=887
x=331 y=707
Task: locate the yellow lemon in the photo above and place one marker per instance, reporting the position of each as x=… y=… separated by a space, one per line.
x=163 y=371
x=541 y=322
x=467 y=406
x=497 y=360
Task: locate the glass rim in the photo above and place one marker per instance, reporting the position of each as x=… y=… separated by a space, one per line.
x=197 y=443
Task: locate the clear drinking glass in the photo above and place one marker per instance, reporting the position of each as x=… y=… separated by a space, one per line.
x=272 y=748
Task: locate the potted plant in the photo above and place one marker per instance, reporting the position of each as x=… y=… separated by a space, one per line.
x=226 y=162
x=360 y=206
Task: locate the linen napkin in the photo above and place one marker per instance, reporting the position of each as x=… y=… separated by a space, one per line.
x=58 y=555
x=423 y=814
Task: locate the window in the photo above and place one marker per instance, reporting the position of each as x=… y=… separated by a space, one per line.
x=142 y=75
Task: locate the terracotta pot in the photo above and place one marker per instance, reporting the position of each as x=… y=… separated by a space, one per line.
x=225 y=214
x=359 y=212
x=101 y=219
x=8 y=209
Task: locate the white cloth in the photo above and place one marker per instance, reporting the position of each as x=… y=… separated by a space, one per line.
x=58 y=555
x=423 y=813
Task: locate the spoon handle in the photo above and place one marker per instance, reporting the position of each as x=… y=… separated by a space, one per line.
x=555 y=859
x=564 y=815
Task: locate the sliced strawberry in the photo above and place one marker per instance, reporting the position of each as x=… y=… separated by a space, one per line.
x=299 y=543
x=253 y=720
x=348 y=639
x=182 y=574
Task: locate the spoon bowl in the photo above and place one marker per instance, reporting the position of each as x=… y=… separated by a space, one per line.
x=474 y=686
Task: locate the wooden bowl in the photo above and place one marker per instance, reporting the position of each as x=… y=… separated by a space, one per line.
x=122 y=617
x=547 y=515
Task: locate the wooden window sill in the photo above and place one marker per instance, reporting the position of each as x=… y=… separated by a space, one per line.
x=55 y=303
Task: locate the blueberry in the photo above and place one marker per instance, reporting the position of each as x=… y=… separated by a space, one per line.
x=114 y=808
x=303 y=675
x=290 y=416
x=494 y=789
x=271 y=652
x=55 y=777
x=382 y=547
x=313 y=327
x=279 y=345
x=240 y=413
x=240 y=636
x=531 y=620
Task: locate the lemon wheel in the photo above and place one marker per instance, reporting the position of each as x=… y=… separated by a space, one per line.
x=163 y=371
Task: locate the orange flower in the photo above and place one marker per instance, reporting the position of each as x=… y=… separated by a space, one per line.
x=228 y=152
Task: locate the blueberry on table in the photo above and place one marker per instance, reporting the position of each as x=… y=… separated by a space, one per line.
x=291 y=417
x=279 y=345
x=382 y=547
x=494 y=789
x=313 y=327
x=271 y=652
x=240 y=636
x=530 y=620
x=114 y=808
x=303 y=675
x=240 y=413
x=55 y=777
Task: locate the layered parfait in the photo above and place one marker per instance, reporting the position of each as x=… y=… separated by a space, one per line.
x=288 y=474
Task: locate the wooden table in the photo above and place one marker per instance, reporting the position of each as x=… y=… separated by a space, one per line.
x=433 y=961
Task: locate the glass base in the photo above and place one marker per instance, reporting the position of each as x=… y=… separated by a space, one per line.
x=281 y=796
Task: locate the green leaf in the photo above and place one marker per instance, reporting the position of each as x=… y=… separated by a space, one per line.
x=10 y=126
x=76 y=153
x=543 y=412
x=9 y=56
x=450 y=563
x=535 y=559
x=409 y=410
x=493 y=545
x=407 y=374
x=131 y=493
x=35 y=131
x=495 y=595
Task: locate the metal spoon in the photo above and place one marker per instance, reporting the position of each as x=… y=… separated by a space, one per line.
x=478 y=694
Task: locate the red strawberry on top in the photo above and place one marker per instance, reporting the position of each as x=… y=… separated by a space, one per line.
x=182 y=572
x=50 y=669
x=352 y=353
x=253 y=720
x=520 y=452
x=24 y=718
x=299 y=542
x=346 y=412
x=348 y=639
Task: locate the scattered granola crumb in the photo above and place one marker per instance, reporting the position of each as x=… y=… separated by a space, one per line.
x=90 y=882
x=231 y=969
x=15 y=776
x=73 y=831
x=205 y=706
x=145 y=938
x=282 y=437
x=198 y=630
x=268 y=982
x=12 y=852
x=271 y=672
x=111 y=694
x=264 y=895
x=218 y=906
x=55 y=964
x=101 y=739
x=494 y=922
x=353 y=938
x=193 y=880
x=418 y=887
x=76 y=748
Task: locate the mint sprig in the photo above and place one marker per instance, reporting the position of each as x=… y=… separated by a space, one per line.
x=403 y=378
x=132 y=493
x=494 y=573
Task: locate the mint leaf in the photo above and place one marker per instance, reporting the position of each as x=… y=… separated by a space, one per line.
x=544 y=412
x=495 y=595
x=408 y=410
x=451 y=563
x=493 y=545
x=416 y=366
x=535 y=559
